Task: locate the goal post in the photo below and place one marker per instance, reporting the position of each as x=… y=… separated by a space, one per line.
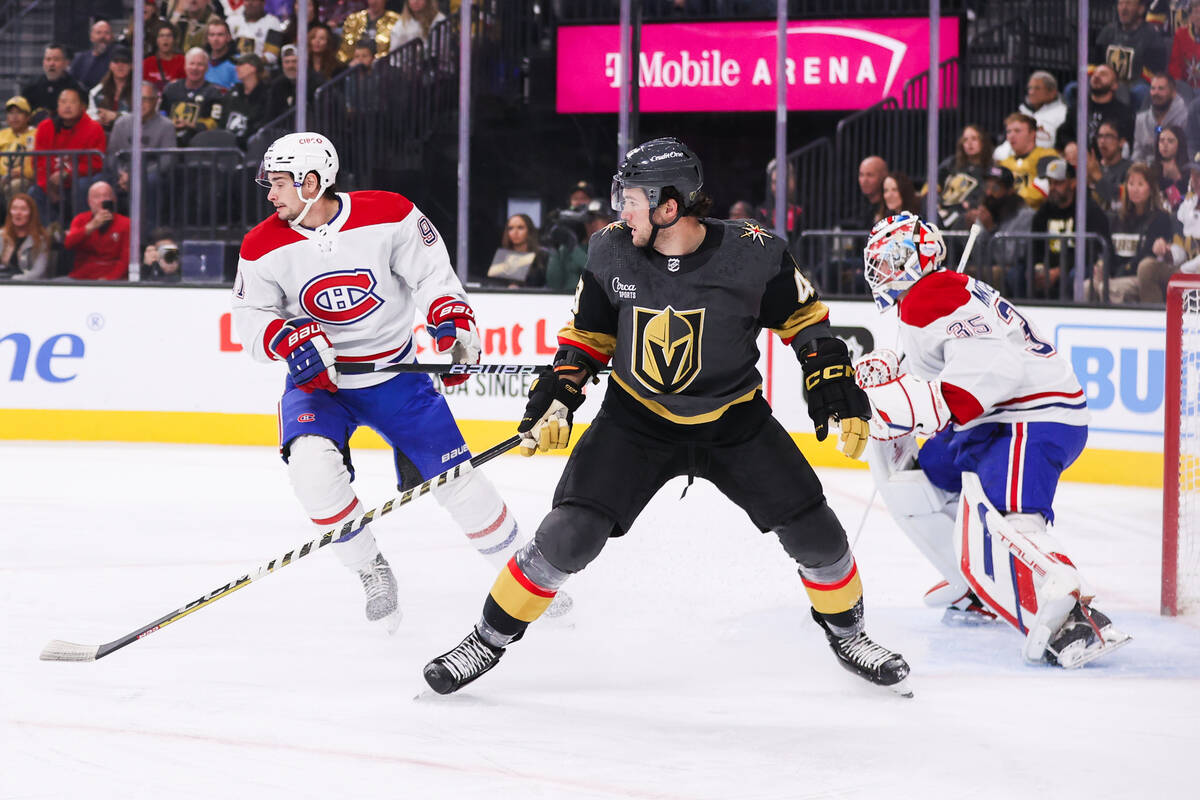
x=1181 y=447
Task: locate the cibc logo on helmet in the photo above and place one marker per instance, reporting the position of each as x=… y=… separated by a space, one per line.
x=340 y=298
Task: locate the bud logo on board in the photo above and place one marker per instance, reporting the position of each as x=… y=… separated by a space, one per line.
x=340 y=298
x=1124 y=385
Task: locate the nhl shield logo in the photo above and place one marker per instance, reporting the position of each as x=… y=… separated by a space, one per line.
x=340 y=298
x=666 y=348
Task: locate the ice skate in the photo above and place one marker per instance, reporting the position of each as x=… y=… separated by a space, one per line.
x=380 y=586
x=871 y=661
x=453 y=670
x=967 y=611
x=560 y=606
x=1086 y=635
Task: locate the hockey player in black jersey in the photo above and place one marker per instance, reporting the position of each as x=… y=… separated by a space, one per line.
x=676 y=302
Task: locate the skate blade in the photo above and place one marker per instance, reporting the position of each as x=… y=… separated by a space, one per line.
x=957 y=618
x=1074 y=659
x=902 y=688
x=391 y=623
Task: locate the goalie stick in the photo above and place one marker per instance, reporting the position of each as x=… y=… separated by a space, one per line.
x=356 y=368
x=58 y=650
x=976 y=229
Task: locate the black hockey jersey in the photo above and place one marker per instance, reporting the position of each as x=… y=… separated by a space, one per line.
x=682 y=331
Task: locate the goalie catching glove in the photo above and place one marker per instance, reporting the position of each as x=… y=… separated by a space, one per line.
x=902 y=403
x=833 y=396
x=308 y=352
x=553 y=400
x=451 y=324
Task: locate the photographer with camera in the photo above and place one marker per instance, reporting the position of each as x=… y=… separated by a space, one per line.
x=99 y=238
x=160 y=260
x=567 y=234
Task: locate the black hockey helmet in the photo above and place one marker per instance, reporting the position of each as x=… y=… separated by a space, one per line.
x=653 y=166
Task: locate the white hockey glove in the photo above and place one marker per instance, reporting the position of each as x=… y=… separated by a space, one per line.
x=451 y=323
x=907 y=405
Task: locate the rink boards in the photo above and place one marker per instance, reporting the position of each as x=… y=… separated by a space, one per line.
x=153 y=363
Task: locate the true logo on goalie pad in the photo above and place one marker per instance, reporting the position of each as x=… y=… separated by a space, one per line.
x=340 y=298
x=666 y=348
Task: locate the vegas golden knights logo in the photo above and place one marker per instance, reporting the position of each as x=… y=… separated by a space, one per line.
x=666 y=348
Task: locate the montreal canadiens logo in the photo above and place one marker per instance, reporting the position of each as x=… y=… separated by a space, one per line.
x=307 y=417
x=340 y=298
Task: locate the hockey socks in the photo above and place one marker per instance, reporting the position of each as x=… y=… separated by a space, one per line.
x=523 y=590
x=835 y=592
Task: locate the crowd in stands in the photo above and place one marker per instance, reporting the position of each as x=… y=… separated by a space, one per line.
x=1141 y=165
x=232 y=66
x=227 y=66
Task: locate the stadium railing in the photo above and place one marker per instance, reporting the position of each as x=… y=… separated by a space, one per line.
x=832 y=260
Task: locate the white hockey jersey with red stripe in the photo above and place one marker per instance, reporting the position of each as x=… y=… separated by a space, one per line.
x=991 y=363
x=378 y=263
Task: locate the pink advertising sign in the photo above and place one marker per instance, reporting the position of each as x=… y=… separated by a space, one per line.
x=730 y=66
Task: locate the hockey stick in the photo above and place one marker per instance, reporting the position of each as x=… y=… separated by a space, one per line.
x=356 y=368
x=58 y=650
x=976 y=229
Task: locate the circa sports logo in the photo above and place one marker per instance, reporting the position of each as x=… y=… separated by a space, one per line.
x=340 y=298
x=627 y=291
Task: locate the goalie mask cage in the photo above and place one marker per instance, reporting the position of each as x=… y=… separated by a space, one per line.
x=1181 y=449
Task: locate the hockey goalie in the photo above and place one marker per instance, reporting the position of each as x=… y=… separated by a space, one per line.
x=1004 y=416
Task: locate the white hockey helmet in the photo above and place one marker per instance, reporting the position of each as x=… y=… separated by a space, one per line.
x=900 y=251
x=299 y=154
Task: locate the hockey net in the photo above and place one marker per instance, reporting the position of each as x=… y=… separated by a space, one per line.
x=1181 y=449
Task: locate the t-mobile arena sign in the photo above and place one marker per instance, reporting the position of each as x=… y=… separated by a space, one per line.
x=730 y=66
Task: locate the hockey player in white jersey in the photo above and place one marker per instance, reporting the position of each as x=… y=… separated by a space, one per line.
x=335 y=276
x=1006 y=416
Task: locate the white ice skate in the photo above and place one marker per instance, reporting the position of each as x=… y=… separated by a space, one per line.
x=1087 y=635
x=380 y=586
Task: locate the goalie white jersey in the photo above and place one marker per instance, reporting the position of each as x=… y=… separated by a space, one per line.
x=364 y=276
x=991 y=364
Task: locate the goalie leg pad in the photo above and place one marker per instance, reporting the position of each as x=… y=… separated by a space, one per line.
x=321 y=480
x=923 y=511
x=1007 y=568
x=483 y=516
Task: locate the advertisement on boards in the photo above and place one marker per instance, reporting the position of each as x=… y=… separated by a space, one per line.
x=131 y=349
x=730 y=66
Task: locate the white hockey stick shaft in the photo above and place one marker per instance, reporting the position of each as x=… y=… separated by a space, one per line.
x=976 y=229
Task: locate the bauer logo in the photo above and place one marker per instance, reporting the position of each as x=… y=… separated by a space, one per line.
x=340 y=298
x=1122 y=372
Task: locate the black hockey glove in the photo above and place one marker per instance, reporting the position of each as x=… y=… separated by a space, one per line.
x=832 y=394
x=550 y=411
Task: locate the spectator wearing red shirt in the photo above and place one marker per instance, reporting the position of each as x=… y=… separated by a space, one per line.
x=1185 y=52
x=69 y=129
x=99 y=238
x=166 y=64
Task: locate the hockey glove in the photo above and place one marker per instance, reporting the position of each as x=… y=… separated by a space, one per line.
x=833 y=396
x=308 y=352
x=451 y=323
x=553 y=400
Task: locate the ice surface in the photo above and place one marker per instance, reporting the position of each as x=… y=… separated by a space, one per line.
x=688 y=669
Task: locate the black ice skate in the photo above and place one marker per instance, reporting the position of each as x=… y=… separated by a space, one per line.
x=1085 y=636
x=868 y=660
x=451 y=671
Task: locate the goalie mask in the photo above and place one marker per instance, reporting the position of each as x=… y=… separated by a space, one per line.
x=900 y=251
x=299 y=154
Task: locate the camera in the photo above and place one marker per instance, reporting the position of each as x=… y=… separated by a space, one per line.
x=168 y=254
x=565 y=228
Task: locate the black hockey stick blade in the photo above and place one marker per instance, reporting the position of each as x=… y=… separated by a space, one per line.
x=58 y=650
